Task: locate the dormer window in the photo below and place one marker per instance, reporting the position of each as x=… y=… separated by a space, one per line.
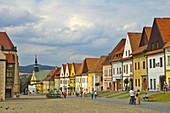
x=157 y=45
x=128 y=52
x=152 y=46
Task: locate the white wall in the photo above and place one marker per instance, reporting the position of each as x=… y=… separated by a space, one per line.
x=127 y=48
x=154 y=73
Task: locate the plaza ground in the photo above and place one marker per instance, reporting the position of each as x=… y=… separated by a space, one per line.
x=40 y=104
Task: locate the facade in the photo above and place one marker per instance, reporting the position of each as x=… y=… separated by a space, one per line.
x=63 y=81
x=89 y=64
x=140 y=61
x=57 y=79
x=37 y=78
x=48 y=82
x=97 y=79
x=131 y=44
x=67 y=76
x=155 y=53
x=74 y=69
x=10 y=81
x=82 y=75
x=167 y=63
x=117 y=66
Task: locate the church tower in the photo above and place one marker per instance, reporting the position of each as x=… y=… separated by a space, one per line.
x=36 y=68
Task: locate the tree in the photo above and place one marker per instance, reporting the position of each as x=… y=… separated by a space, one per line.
x=24 y=82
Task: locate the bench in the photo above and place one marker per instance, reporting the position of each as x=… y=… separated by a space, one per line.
x=148 y=98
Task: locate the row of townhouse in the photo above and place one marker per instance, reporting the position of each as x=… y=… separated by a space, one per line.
x=70 y=77
x=9 y=74
x=141 y=61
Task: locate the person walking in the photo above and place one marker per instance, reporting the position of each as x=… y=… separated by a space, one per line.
x=92 y=94
x=95 y=94
x=132 y=97
x=138 y=96
x=64 y=94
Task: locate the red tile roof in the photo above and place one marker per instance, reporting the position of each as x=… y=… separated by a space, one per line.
x=148 y=31
x=164 y=28
x=97 y=68
x=140 y=50
x=154 y=52
x=167 y=44
x=111 y=55
x=53 y=73
x=6 y=42
x=87 y=66
x=10 y=58
x=119 y=52
x=76 y=66
x=57 y=74
x=134 y=39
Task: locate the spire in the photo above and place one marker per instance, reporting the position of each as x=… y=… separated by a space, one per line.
x=36 y=69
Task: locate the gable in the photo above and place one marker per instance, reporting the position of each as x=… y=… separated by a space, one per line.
x=111 y=55
x=134 y=39
x=6 y=42
x=145 y=36
x=155 y=41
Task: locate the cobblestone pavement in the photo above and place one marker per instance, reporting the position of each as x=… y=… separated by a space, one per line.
x=40 y=104
x=158 y=106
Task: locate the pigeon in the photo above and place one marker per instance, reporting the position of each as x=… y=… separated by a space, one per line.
x=7 y=108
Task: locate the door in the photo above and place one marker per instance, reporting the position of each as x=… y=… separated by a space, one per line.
x=8 y=93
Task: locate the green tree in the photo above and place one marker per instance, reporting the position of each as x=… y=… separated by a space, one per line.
x=24 y=82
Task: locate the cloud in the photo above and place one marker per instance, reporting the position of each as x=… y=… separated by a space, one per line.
x=63 y=30
x=19 y=16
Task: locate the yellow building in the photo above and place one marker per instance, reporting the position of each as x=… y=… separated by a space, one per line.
x=139 y=62
x=37 y=78
x=167 y=63
x=74 y=69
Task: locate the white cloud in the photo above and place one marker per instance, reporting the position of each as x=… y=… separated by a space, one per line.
x=67 y=30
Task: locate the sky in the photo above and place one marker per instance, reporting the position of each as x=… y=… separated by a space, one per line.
x=67 y=31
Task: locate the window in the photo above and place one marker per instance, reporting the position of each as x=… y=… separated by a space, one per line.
x=138 y=65
x=117 y=70
x=126 y=68
x=10 y=71
x=128 y=52
x=153 y=63
x=150 y=83
x=120 y=72
x=138 y=82
x=157 y=45
x=105 y=72
x=150 y=62
x=154 y=84
x=161 y=62
x=110 y=72
x=152 y=46
x=135 y=66
x=168 y=60
x=113 y=70
x=135 y=82
x=130 y=67
x=143 y=64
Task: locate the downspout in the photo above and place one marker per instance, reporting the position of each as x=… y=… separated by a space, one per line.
x=122 y=74
x=164 y=64
x=147 y=72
